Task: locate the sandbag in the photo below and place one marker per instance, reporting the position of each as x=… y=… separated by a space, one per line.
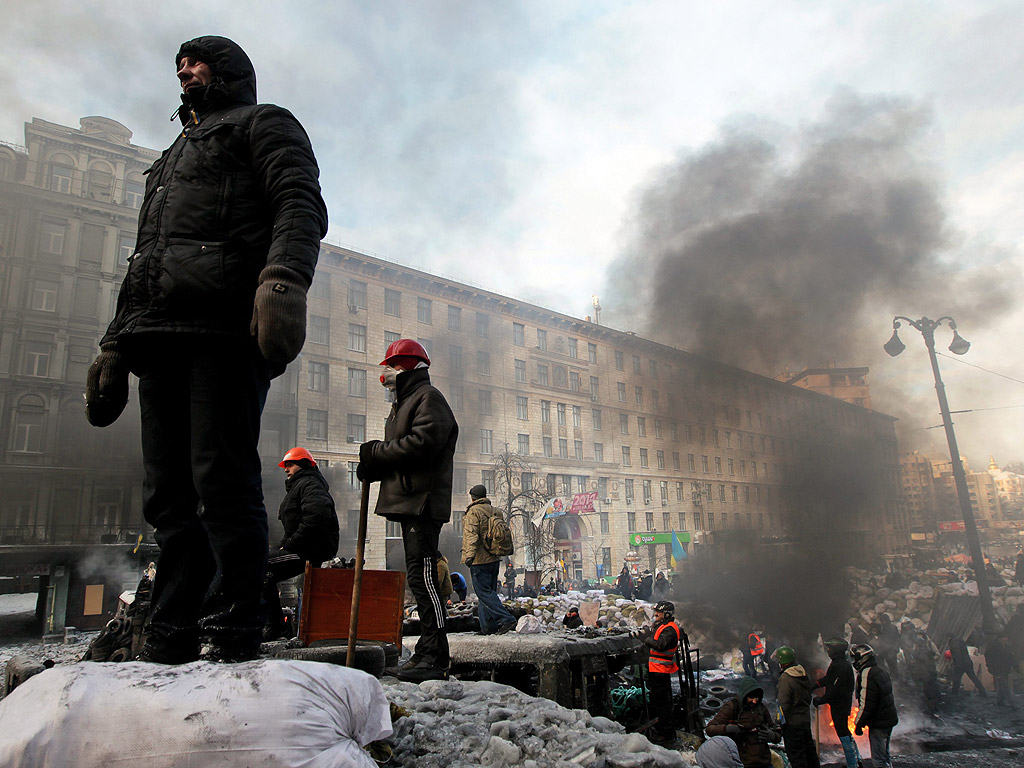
x=261 y=714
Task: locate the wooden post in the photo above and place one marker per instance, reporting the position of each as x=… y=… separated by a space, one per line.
x=357 y=584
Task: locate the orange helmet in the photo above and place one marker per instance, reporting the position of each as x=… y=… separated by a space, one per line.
x=405 y=348
x=295 y=454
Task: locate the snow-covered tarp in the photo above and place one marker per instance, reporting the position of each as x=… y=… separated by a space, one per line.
x=280 y=713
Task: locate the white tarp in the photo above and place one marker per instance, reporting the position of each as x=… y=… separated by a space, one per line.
x=275 y=712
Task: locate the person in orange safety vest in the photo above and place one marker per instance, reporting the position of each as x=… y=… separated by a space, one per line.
x=663 y=639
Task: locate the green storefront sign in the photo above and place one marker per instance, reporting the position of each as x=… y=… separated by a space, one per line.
x=654 y=537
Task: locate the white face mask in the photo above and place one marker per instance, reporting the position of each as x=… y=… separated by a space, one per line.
x=389 y=379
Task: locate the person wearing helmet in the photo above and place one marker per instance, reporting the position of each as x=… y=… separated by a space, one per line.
x=414 y=466
x=748 y=722
x=662 y=638
x=877 y=708
x=794 y=697
x=212 y=307
x=838 y=694
x=310 y=531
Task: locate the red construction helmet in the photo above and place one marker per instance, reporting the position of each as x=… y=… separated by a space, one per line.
x=405 y=348
x=295 y=454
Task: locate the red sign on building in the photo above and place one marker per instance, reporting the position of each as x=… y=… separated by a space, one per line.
x=952 y=525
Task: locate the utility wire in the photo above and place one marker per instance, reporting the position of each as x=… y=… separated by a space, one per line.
x=972 y=365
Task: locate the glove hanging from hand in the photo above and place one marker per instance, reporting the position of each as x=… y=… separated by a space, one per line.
x=733 y=729
x=106 y=386
x=279 y=314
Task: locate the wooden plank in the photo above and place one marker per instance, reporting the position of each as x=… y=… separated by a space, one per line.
x=327 y=600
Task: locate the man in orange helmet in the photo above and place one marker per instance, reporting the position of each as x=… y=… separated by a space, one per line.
x=413 y=464
x=310 y=531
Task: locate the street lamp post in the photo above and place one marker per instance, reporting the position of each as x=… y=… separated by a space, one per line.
x=959 y=346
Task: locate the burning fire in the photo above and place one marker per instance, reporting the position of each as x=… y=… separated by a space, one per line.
x=851 y=721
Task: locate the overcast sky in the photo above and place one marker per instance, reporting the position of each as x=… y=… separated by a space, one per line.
x=548 y=150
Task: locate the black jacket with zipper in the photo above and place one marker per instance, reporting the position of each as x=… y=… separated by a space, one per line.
x=308 y=517
x=414 y=460
x=237 y=190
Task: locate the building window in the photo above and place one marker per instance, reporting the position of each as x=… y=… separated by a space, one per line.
x=626 y=462
x=483 y=362
x=424 y=310
x=483 y=324
x=37 y=358
x=454 y=318
x=732 y=467
x=522 y=408
x=577 y=416
x=629 y=490
x=542 y=374
x=545 y=411
x=51 y=237
x=520 y=371
x=392 y=302
x=690 y=464
x=356 y=337
x=680 y=495
x=618 y=360
x=316 y=424
x=542 y=339
x=624 y=423
x=560 y=409
x=636 y=365
x=643 y=458
x=592 y=352
x=704 y=464
x=573 y=348
x=675 y=461
x=321 y=287
x=621 y=388
x=631 y=521
x=527 y=482
x=60 y=177
x=455 y=397
x=655 y=399
x=356 y=382
x=578 y=449
x=595 y=417
x=483 y=400
x=455 y=360
x=28 y=425
x=133 y=193
x=594 y=388
x=641 y=426
x=639 y=393
x=574 y=381
x=599 y=452
x=654 y=369
x=356 y=428
x=563 y=448
x=317 y=376
x=44 y=296
x=605 y=525
x=519 y=334
x=486 y=441
x=125 y=248
x=546 y=443
x=524 y=444
x=718 y=465
x=661 y=459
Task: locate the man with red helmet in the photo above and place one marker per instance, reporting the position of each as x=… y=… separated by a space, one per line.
x=413 y=464
x=310 y=531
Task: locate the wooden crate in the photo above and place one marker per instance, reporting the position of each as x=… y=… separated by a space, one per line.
x=327 y=604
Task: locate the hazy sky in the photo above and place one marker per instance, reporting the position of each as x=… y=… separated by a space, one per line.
x=530 y=148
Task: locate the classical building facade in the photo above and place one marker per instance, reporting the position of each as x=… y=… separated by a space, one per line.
x=647 y=439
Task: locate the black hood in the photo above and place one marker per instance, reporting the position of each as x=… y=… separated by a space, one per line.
x=234 y=79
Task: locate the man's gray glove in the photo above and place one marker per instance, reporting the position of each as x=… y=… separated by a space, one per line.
x=279 y=314
x=732 y=729
x=106 y=386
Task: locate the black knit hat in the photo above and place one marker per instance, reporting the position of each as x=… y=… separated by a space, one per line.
x=478 y=492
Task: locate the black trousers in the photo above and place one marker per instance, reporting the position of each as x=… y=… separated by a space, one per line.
x=280 y=566
x=660 y=686
x=800 y=748
x=420 y=536
x=201 y=401
x=957 y=676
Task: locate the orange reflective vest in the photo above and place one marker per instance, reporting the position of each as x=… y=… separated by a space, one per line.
x=756 y=644
x=664 y=661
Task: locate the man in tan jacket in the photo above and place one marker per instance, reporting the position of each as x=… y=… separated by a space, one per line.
x=483 y=566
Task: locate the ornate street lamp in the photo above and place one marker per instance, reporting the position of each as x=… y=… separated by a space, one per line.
x=959 y=346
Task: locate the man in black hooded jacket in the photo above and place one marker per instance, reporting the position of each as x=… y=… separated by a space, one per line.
x=838 y=683
x=213 y=306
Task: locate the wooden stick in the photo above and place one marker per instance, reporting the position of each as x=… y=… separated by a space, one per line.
x=357 y=581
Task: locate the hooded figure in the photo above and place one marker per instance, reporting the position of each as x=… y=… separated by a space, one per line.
x=719 y=752
x=794 y=696
x=838 y=683
x=213 y=306
x=748 y=722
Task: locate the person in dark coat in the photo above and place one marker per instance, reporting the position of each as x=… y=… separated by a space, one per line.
x=1018 y=573
x=213 y=306
x=999 y=660
x=960 y=657
x=748 y=722
x=877 y=708
x=624 y=584
x=838 y=685
x=662 y=588
x=414 y=465
x=794 y=696
x=646 y=586
x=572 y=619
x=310 y=531
x=888 y=644
x=662 y=639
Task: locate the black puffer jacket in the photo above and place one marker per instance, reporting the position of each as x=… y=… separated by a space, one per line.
x=838 y=682
x=874 y=698
x=414 y=460
x=236 y=191
x=308 y=516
